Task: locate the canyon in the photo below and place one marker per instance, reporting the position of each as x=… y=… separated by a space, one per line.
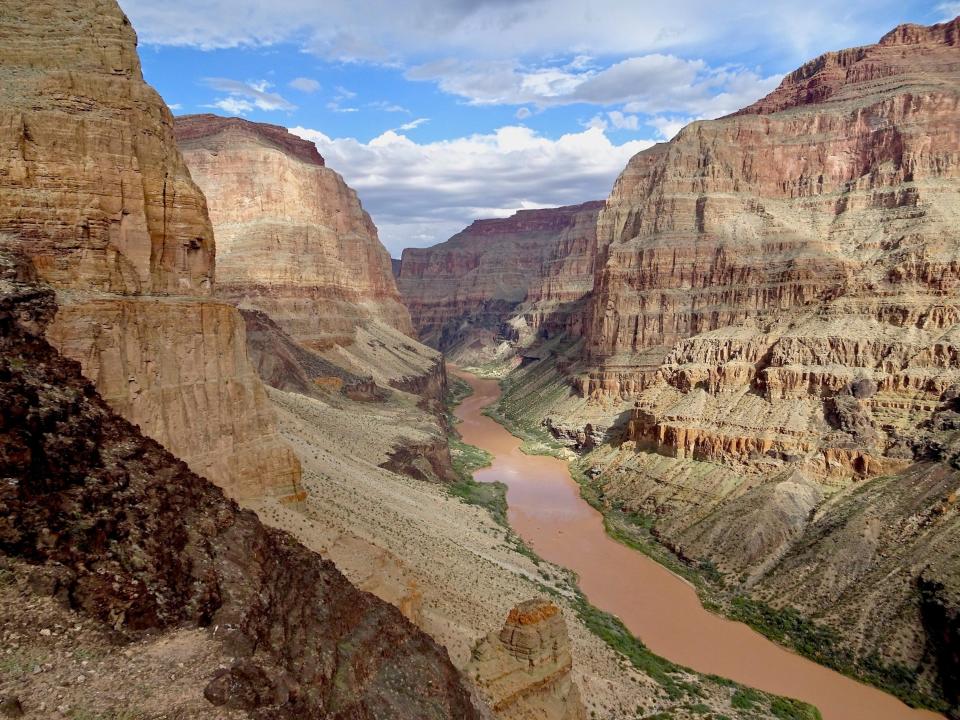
x=232 y=456
x=764 y=372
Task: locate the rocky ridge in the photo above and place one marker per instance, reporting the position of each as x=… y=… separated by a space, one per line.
x=99 y=198
x=292 y=237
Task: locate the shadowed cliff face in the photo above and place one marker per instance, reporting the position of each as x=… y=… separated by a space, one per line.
x=98 y=196
x=292 y=237
x=134 y=539
x=500 y=279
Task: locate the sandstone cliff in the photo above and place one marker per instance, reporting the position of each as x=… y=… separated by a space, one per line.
x=782 y=282
x=98 y=196
x=830 y=214
x=525 y=669
x=122 y=533
x=500 y=279
x=292 y=237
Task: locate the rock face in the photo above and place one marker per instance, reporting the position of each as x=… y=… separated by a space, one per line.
x=535 y=267
x=99 y=198
x=775 y=315
x=785 y=279
x=524 y=670
x=126 y=534
x=292 y=237
x=769 y=373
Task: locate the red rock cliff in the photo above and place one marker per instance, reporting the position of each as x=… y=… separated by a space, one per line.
x=475 y=281
x=783 y=282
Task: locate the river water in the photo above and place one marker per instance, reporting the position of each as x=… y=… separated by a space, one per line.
x=662 y=609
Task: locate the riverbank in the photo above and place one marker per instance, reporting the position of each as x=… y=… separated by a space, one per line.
x=718 y=593
x=781 y=667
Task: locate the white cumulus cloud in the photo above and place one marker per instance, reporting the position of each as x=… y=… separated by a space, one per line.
x=247 y=95
x=422 y=193
x=305 y=84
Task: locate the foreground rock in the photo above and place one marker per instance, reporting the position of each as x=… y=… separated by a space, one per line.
x=525 y=669
x=98 y=196
x=292 y=237
x=500 y=281
x=122 y=532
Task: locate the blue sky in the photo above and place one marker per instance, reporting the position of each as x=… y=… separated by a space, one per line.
x=439 y=112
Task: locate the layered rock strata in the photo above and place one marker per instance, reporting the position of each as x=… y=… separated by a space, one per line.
x=524 y=670
x=292 y=237
x=99 y=198
x=501 y=278
x=125 y=534
x=769 y=374
x=782 y=282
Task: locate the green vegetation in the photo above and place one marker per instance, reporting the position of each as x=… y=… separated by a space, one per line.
x=821 y=644
x=612 y=631
x=467 y=459
x=636 y=533
x=21 y=662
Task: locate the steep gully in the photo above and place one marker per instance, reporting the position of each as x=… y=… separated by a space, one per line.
x=546 y=509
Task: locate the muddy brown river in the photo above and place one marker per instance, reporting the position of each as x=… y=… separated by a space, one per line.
x=662 y=609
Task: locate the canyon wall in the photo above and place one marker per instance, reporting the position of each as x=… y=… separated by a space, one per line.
x=499 y=278
x=775 y=324
x=99 y=198
x=141 y=550
x=292 y=237
x=783 y=282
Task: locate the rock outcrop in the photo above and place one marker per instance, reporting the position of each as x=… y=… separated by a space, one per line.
x=98 y=196
x=124 y=533
x=524 y=669
x=499 y=279
x=292 y=237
